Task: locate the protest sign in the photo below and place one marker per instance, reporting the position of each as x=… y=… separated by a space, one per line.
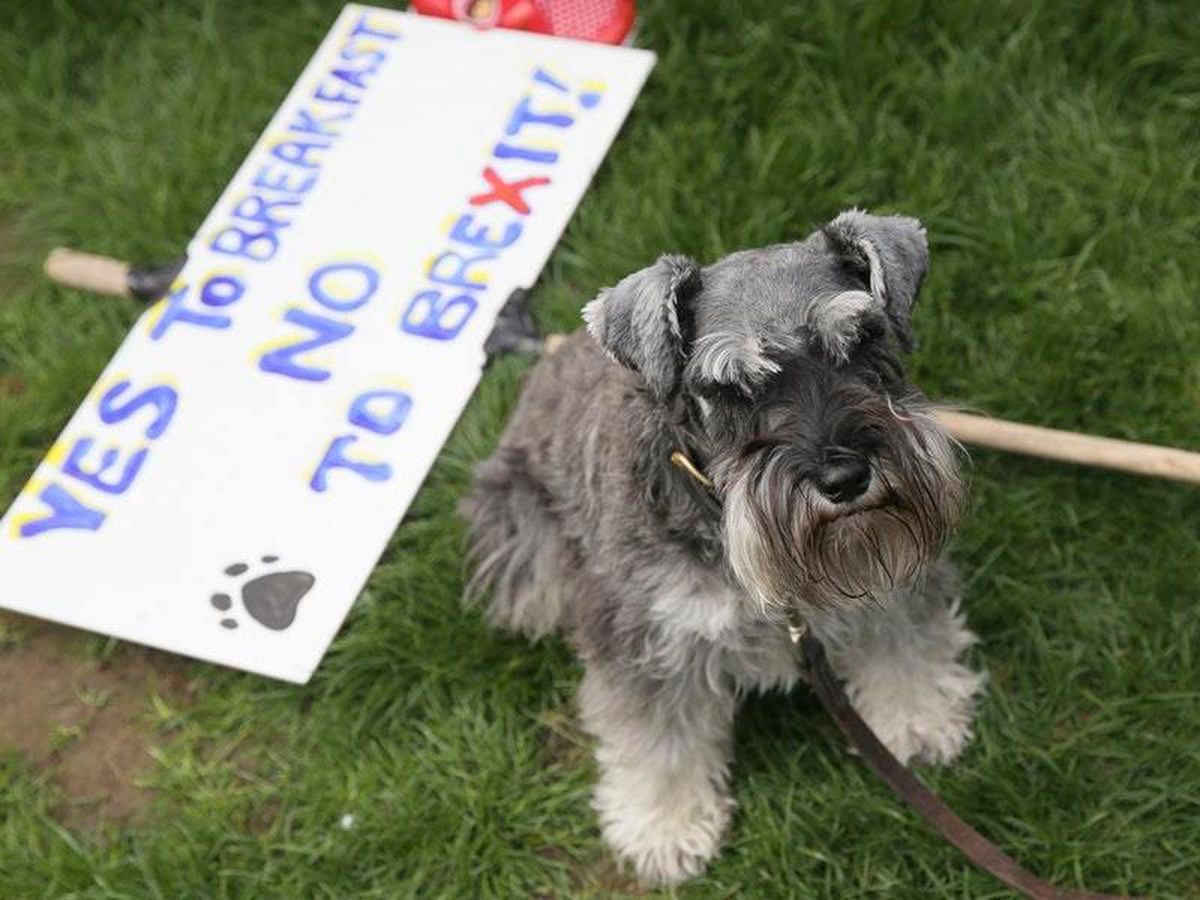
x=226 y=488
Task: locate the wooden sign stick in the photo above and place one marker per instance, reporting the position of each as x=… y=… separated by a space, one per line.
x=107 y=276
x=1073 y=447
x=104 y=275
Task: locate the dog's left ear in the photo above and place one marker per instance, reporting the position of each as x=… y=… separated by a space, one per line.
x=644 y=321
x=892 y=253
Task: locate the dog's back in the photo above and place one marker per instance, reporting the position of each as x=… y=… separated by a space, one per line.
x=522 y=542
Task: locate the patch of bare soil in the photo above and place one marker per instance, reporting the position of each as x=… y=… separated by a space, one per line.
x=603 y=877
x=85 y=721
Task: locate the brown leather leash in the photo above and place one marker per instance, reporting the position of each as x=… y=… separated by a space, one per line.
x=905 y=785
x=897 y=776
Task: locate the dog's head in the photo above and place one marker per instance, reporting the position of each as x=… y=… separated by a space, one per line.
x=782 y=370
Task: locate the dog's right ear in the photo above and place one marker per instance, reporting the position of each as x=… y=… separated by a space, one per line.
x=644 y=321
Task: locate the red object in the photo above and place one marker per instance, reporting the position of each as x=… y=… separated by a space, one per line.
x=506 y=192
x=602 y=21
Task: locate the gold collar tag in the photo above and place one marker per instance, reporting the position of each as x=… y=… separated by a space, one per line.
x=680 y=460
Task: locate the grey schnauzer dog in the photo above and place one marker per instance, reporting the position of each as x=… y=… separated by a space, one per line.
x=831 y=493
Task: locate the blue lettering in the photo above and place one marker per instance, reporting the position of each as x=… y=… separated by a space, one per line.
x=373 y=56
x=428 y=315
x=457 y=272
x=381 y=421
x=361 y=27
x=325 y=331
x=508 y=151
x=343 y=300
x=543 y=77
x=161 y=397
x=270 y=180
x=479 y=238
x=523 y=115
x=66 y=512
x=297 y=152
x=306 y=123
x=351 y=76
x=222 y=290
x=174 y=311
x=257 y=246
x=335 y=458
x=339 y=96
x=74 y=467
x=253 y=208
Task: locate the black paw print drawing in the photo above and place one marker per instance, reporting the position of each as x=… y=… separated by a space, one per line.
x=271 y=599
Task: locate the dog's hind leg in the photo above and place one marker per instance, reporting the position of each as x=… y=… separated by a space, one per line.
x=517 y=548
x=902 y=668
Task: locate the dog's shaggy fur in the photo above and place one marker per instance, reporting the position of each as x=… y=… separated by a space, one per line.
x=779 y=372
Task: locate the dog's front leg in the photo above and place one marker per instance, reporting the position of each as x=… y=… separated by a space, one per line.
x=664 y=748
x=901 y=662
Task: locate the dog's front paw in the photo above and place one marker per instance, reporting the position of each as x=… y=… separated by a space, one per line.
x=923 y=718
x=668 y=836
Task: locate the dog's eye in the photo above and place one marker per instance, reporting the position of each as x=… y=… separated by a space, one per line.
x=879 y=364
x=717 y=393
x=870 y=328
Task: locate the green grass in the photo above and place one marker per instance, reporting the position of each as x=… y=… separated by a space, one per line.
x=1052 y=151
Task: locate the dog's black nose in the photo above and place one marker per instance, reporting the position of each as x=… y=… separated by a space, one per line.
x=844 y=476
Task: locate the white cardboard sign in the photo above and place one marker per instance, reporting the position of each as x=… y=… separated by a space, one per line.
x=226 y=488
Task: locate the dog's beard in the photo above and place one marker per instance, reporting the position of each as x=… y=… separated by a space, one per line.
x=793 y=548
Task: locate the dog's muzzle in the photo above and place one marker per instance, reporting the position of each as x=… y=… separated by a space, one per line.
x=853 y=528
